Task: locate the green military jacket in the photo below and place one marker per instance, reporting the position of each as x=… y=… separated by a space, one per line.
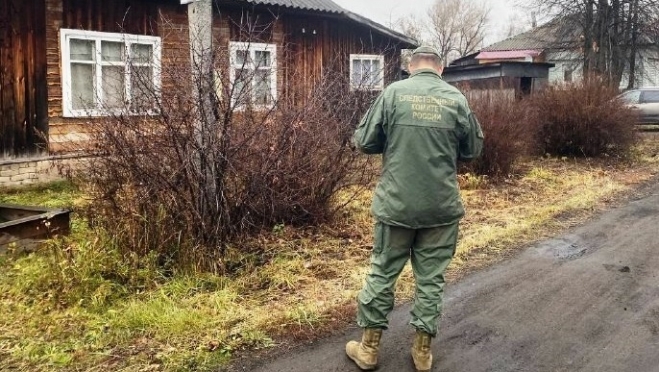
x=422 y=126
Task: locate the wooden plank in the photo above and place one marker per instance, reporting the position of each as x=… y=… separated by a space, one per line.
x=3 y=37
x=40 y=123
x=5 y=42
x=22 y=93
x=15 y=214
x=130 y=16
x=9 y=99
x=19 y=50
x=29 y=84
x=30 y=231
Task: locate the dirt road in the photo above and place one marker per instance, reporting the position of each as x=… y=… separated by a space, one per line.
x=586 y=301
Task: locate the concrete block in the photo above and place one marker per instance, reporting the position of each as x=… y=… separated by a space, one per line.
x=19 y=178
x=43 y=167
x=9 y=172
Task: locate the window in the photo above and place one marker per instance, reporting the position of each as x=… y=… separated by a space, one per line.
x=650 y=96
x=366 y=72
x=106 y=73
x=567 y=75
x=632 y=97
x=253 y=74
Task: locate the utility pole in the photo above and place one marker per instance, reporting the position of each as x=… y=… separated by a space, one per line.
x=200 y=19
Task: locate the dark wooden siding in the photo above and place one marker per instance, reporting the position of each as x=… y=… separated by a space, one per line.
x=311 y=46
x=251 y=26
x=319 y=46
x=137 y=17
x=23 y=95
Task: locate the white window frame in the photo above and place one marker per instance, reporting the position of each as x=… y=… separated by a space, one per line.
x=367 y=57
x=98 y=37
x=250 y=47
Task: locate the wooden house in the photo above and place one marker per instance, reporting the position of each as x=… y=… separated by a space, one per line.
x=61 y=60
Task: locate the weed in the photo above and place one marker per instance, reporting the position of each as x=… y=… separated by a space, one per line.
x=304 y=315
x=541 y=174
x=278 y=229
x=469 y=181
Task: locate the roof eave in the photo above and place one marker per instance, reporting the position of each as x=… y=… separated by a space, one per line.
x=408 y=43
x=405 y=42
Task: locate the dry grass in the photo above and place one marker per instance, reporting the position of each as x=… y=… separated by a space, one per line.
x=305 y=283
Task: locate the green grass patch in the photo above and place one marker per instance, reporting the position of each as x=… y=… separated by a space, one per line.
x=61 y=194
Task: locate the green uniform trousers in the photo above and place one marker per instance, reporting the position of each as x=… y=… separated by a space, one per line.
x=431 y=251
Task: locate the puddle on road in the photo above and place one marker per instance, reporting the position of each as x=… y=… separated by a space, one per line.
x=570 y=247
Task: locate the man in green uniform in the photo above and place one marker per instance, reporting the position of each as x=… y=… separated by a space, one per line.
x=422 y=126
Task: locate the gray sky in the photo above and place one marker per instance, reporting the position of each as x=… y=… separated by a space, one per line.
x=388 y=11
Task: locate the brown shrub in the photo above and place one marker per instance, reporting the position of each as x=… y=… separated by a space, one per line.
x=583 y=119
x=508 y=129
x=205 y=172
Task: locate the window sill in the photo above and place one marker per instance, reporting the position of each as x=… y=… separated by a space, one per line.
x=106 y=114
x=255 y=108
x=362 y=89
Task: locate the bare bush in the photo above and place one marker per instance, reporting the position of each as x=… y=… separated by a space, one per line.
x=583 y=119
x=186 y=172
x=509 y=132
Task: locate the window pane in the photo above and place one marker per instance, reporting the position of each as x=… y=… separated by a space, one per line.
x=262 y=88
x=241 y=86
x=366 y=68
x=367 y=73
x=376 y=66
x=243 y=58
x=650 y=96
x=567 y=75
x=141 y=53
x=82 y=50
x=112 y=52
x=357 y=75
x=142 y=88
x=632 y=97
x=82 y=86
x=375 y=73
x=113 y=87
x=262 y=58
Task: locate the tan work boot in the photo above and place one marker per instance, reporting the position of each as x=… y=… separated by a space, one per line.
x=421 y=353
x=365 y=353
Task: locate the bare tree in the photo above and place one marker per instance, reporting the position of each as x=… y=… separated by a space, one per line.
x=518 y=23
x=455 y=27
x=611 y=33
x=414 y=27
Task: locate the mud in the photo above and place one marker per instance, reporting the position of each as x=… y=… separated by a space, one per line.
x=585 y=301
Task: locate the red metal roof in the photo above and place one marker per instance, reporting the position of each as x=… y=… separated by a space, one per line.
x=509 y=54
